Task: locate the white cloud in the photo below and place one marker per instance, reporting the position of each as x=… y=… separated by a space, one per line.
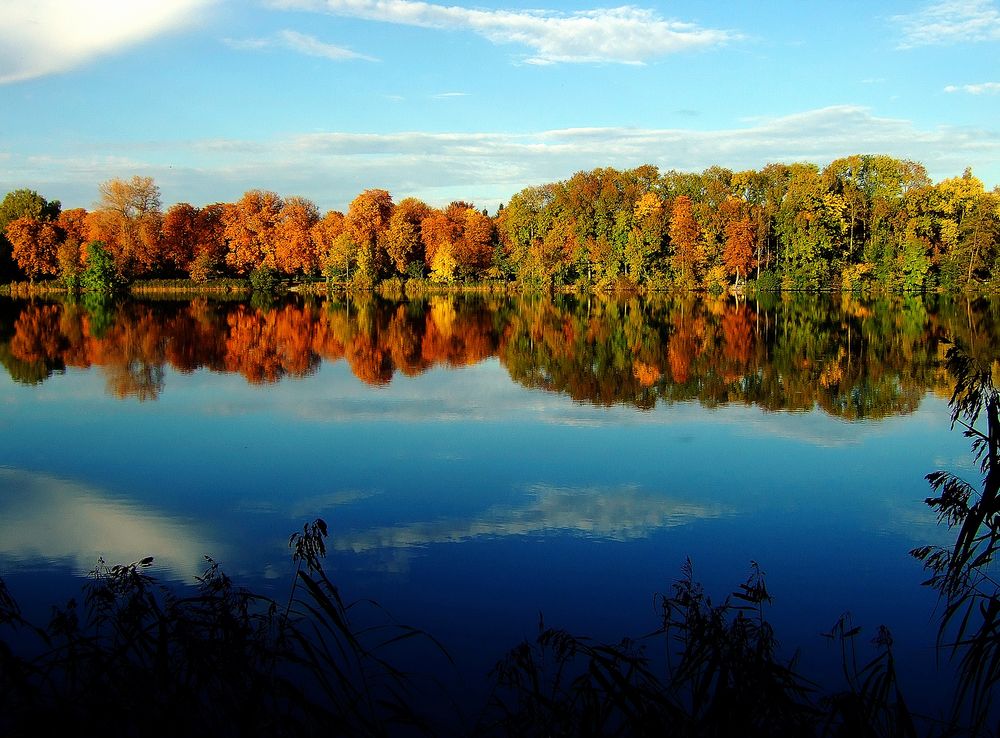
x=49 y=36
x=950 y=22
x=983 y=88
x=624 y=35
x=488 y=167
x=448 y=95
x=310 y=46
x=299 y=43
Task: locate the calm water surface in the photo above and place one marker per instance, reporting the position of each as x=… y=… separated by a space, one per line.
x=481 y=461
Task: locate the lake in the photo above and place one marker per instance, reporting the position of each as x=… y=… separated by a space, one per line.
x=482 y=460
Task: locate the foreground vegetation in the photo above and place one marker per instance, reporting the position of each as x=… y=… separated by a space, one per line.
x=863 y=222
x=133 y=657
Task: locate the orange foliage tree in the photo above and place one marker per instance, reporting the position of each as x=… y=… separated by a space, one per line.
x=33 y=245
x=250 y=228
x=367 y=221
x=403 y=242
x=684 y=235
x=437 y=229
x=128 y=221
x=294 y=249
x=475 y=247
x=739 y=248
x=467 y=233
x=180 y=234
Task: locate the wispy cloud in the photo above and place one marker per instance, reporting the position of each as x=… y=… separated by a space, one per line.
x=623 y=35
x=488 y=167
x=983 y=88
x=50 y=36
x=299 y=43
x=449 y=95
x=950 y=22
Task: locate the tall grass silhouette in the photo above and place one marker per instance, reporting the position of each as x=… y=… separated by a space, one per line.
x=965 y=573
x=133 y=657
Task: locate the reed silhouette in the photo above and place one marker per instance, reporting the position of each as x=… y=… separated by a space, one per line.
x=965 y=573
x=133 y=657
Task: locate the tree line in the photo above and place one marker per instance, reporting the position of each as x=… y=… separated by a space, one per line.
x=863 y=221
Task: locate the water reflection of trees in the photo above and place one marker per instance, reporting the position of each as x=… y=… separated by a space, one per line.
x=853 y=359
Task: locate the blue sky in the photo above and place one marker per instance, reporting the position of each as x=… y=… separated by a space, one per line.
x=326 y=98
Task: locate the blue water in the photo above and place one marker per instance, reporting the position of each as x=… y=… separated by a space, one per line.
x=467 y=504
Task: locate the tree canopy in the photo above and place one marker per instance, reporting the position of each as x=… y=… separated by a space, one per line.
x=863 y=221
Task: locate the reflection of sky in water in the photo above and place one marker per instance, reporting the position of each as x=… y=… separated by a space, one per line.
x=458 y=497
x=48 y=519
x=617 y=514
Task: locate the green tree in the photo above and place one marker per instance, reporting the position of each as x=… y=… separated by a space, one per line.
x=101 y=275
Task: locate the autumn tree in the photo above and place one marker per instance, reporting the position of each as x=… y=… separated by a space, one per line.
x=684 y=237
x=645 y=242
x=474 y=250
x=294 y=249
x=443 y=264
x=438 y=229
x=250 y=228
x=738 y=252
x=22 y=203
x=69 y=259
x=527 y=217
x=367 y=221
x=33 y=245
x=73 y=224
x=548 y=256
x=341 y=258
x=128 y=221
x=180 y=234
x=403 y=241
x=468 y=234
x=324 y=235
x=210 y=242
x=712 y=211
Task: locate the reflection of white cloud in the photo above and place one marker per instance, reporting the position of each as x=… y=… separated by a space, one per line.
x=624 y=35
x=484 y=393
x=42 y=517
x=312 y=506
x=488 y=167
x=619 y=513
x=950 y=22
x=47 y=36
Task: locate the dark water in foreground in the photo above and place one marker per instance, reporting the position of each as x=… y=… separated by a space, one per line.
x=481 y=461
